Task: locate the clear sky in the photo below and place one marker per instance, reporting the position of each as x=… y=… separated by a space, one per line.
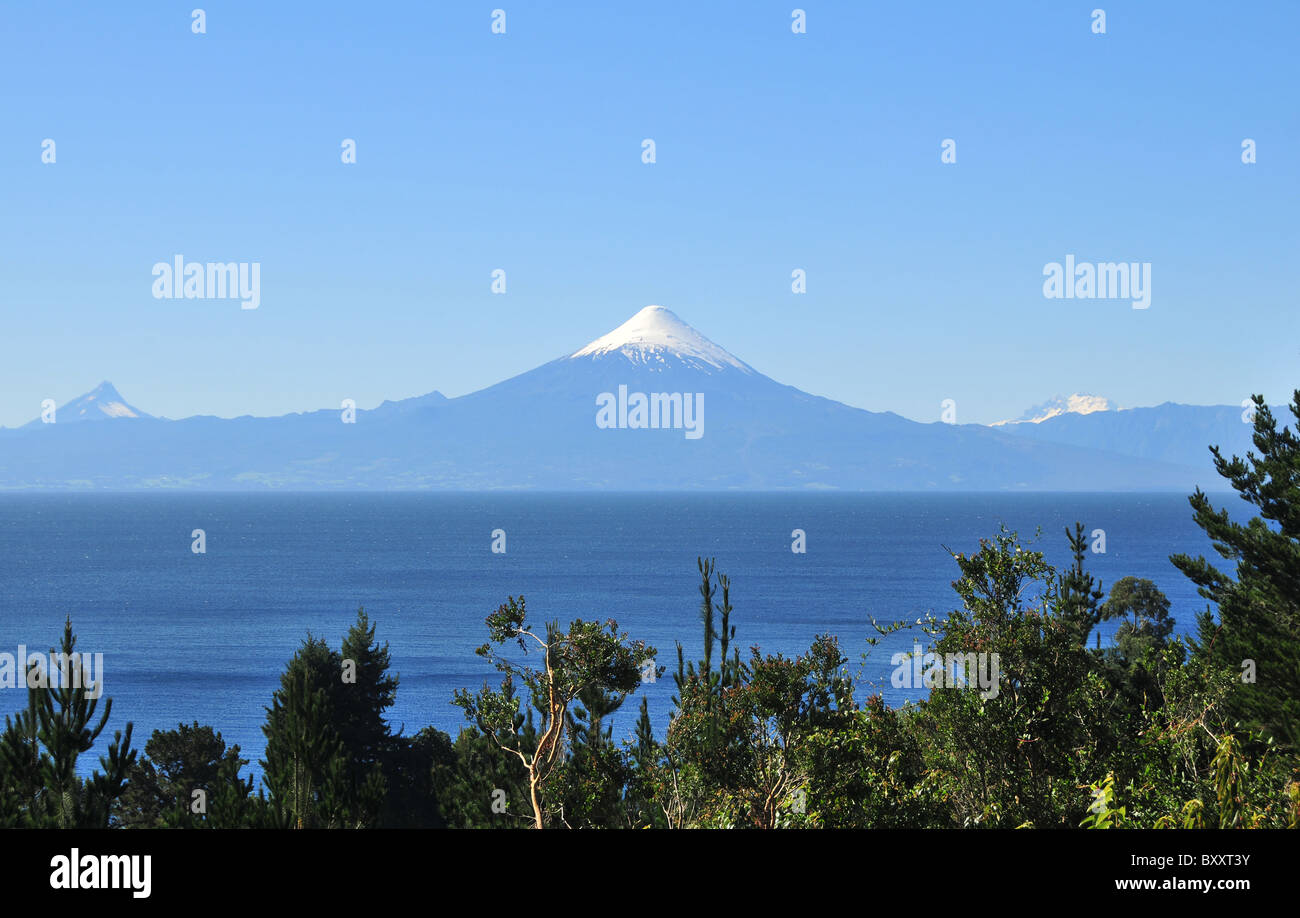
x=522 y=151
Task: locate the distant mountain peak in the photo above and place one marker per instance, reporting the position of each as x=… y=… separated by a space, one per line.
x=1078 y=403
x=416 y=403
x=657 y=333
x=757 y=434
x=101 y=403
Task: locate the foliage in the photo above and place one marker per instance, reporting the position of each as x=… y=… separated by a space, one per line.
x=40 y=747
x=1258 y=612
x=1151 y=622
x=1153 y=731
x=326 y=739
x=187 y=778
x=590 y=656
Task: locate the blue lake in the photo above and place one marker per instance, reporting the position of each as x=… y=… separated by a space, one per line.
x=205 y=637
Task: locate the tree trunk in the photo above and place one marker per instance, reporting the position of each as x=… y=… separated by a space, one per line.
x=537 y=804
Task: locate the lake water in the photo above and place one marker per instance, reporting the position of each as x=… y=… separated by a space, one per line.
x=205 y=637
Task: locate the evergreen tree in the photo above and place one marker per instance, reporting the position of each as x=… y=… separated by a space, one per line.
x=41 y=745
x=1080 y=593
x=1150 y=624
x=305 y=768
x=647 y=768
x=367 y=691
x=328 y=745
x=478 y=783
x=593 y=778
x=586 y=720
x=413 y=801
x=1257 y=633
x=162 y=784
x=365 y=734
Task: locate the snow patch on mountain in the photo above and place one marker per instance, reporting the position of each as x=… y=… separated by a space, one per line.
x=655 y=334
x=101 y=403
x=1078 y=403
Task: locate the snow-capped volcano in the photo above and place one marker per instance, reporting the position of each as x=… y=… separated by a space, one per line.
x=101 y=403
x=656 y=338
x=542 y=430
x=1070 y=404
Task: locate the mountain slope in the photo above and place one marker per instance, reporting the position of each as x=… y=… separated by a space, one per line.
x=101 y=403
x=1171 y=433
x=542 y=430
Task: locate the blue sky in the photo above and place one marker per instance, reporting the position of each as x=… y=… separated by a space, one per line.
x=522 y=151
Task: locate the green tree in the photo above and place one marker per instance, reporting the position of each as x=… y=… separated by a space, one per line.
x=587 y=655
x=591 y=782
x=366 y=690
x=162 y=784
x=1146 y=624
x=413 y=799
x=649 y=797
x=1018 y=756
x=307 y=767
x=866 y=771
x=1259 y=610
x=331 y=758
x=41 y=745
x=732 y=755
x=1080 y=593
x=480 y=785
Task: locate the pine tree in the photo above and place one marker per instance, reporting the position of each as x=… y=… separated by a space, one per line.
x=728 y=671
x=1081 y=594
x=586 y=721
x=372 y=751
x=304 y=753
x=365 y=734
x=1258 y=628
x=329 y=749
x=41 y=745
x=161 y=786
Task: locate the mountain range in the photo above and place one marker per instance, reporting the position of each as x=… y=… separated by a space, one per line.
x=576 y=423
